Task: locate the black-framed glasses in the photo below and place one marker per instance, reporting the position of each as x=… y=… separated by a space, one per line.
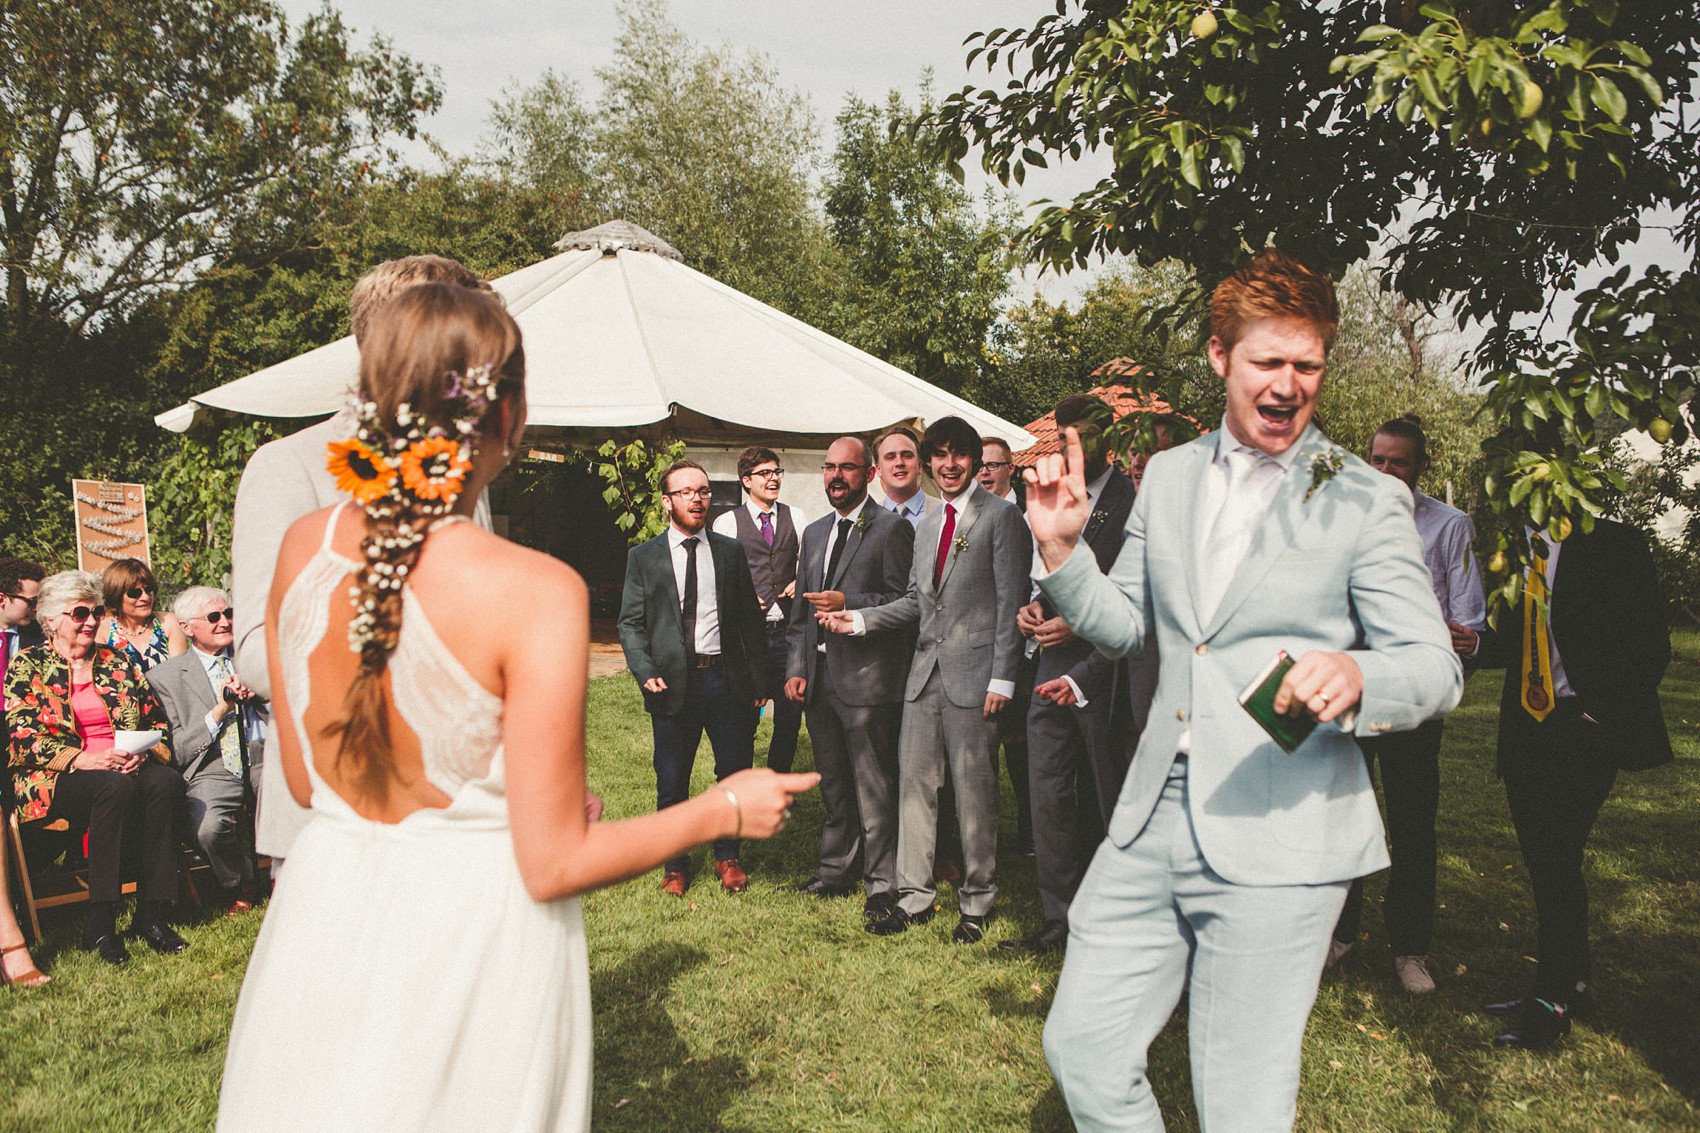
x=30 y=602
x=84 y=613
x=769 y=473
x=994 y=465
x=135 y=592
x=213 y=616
x=833 y=469
x=692 y=493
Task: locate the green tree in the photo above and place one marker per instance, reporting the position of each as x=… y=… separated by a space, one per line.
x=922 y=271
x=1501 y=149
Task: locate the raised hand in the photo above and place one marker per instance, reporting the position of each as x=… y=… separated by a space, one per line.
x=839 y=621
x=1057 y=507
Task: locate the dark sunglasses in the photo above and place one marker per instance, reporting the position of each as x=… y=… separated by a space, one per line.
x=213 y=616
x=84 y=613
x=30 y=602
x=135 y=592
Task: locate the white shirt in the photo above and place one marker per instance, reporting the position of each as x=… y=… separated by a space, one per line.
x=727 y=524
x=1560 y=681
x=1447 y=536
x=253 y=720
x=708 y=605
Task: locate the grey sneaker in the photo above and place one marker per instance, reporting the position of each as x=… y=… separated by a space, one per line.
x=1337 y=950
x=1413 y=974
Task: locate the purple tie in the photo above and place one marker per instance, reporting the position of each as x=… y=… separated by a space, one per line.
x=767 y=528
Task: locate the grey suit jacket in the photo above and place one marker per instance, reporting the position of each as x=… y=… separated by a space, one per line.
x=966 y=623
x=872 y=569
x=180 y=685
x=284 y=480
x=1341 y=570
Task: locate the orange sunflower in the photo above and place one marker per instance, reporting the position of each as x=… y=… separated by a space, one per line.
x=432 y=469
x=360 y=470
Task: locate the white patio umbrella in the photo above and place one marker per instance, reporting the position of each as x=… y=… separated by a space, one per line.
x=622 y=338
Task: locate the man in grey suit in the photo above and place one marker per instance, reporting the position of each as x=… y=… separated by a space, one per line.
x=1228 y=859
x=858 y=555
x=968 y=579
x=283 y=481
x=218 y=735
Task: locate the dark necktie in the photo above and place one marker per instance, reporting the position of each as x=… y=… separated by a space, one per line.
x=944 y=544
x=767 y=528
x=837 y=553
x=688 y=600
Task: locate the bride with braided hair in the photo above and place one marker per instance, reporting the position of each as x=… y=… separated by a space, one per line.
x=422 y=963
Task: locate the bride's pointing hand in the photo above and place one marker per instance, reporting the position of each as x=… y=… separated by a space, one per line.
x=763 y=800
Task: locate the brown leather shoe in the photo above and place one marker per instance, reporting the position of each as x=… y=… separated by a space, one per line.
x=674 y=882
x=239 y=906
x=733 y=879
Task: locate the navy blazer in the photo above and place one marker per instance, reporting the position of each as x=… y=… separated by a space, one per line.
x=652 y=631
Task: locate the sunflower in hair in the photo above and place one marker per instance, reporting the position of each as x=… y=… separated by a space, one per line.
x=432 y=469
x=360 y=470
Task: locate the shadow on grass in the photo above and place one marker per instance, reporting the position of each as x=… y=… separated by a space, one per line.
x=647 y=1077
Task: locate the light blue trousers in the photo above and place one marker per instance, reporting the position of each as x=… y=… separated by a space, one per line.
x=1151 y=921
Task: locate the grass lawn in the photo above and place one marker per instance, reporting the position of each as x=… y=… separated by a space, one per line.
x=771 y=1011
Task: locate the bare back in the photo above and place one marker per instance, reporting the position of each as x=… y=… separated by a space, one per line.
x=445 y=679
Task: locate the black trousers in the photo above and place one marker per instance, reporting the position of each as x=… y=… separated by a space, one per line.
x=1410 y=782
x=709 y=707
x=787 y=714
x=113 y=806
x=1557 y=774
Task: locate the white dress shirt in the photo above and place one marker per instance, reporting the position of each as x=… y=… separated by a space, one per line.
x=727 y=524
x=708 y=604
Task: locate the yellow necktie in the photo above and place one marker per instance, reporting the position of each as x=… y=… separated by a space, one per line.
x=1537 y=655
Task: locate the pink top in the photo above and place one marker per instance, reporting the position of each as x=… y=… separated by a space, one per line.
x=93 y=723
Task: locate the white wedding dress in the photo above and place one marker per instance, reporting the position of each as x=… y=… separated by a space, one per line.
x=404 y=979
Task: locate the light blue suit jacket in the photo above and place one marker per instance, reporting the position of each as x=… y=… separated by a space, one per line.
x=1340 y=571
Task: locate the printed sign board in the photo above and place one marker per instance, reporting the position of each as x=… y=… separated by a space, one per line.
x=112 y=523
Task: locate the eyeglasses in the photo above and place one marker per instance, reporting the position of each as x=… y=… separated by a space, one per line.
x=30 y=602
x=135 y=592
x=84 y=613
x=213 y=616
x=692 y=493
x=769 y=473
x=994 y=465
x=832 y=469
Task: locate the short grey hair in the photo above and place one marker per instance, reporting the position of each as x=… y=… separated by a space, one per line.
x=59 y=592
x=193 y=602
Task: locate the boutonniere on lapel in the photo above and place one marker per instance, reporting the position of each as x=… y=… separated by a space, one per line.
x=1324 y=466
x=862 y=522
x=961 y=543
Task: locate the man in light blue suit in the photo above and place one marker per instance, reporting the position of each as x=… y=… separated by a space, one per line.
x=1228 y=859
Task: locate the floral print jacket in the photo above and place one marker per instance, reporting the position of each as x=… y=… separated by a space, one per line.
x=43 y=729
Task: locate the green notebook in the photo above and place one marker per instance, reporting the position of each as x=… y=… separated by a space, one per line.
x=1259 y=700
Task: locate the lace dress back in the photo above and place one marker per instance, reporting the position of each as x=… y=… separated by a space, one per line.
x=458 y=722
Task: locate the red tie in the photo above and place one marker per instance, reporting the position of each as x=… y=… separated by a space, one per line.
x=944 y=544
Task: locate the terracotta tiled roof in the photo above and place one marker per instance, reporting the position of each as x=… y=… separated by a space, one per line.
x=1045 y=428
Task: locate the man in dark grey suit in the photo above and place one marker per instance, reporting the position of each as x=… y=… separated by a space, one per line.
x=968 y=580
x=692 y=633
x=218 y=737
x=857 y=555
x=1075 y=749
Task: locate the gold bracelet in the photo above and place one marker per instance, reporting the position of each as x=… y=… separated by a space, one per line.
x=738 y=810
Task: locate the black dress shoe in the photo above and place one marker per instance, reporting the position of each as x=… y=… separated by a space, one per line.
x=970 y=929
x=878 y=906
x=1053 y=937
x=1536 y=1026
x=162 y=939
x=1579 y=1005
x=815 y=887
x=109 y=948
x=898 y=921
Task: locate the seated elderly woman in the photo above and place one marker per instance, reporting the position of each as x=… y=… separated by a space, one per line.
x=66 y=701
x=218 y=729
x=132 y=624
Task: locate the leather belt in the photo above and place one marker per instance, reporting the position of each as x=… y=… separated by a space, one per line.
x=707 y=660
